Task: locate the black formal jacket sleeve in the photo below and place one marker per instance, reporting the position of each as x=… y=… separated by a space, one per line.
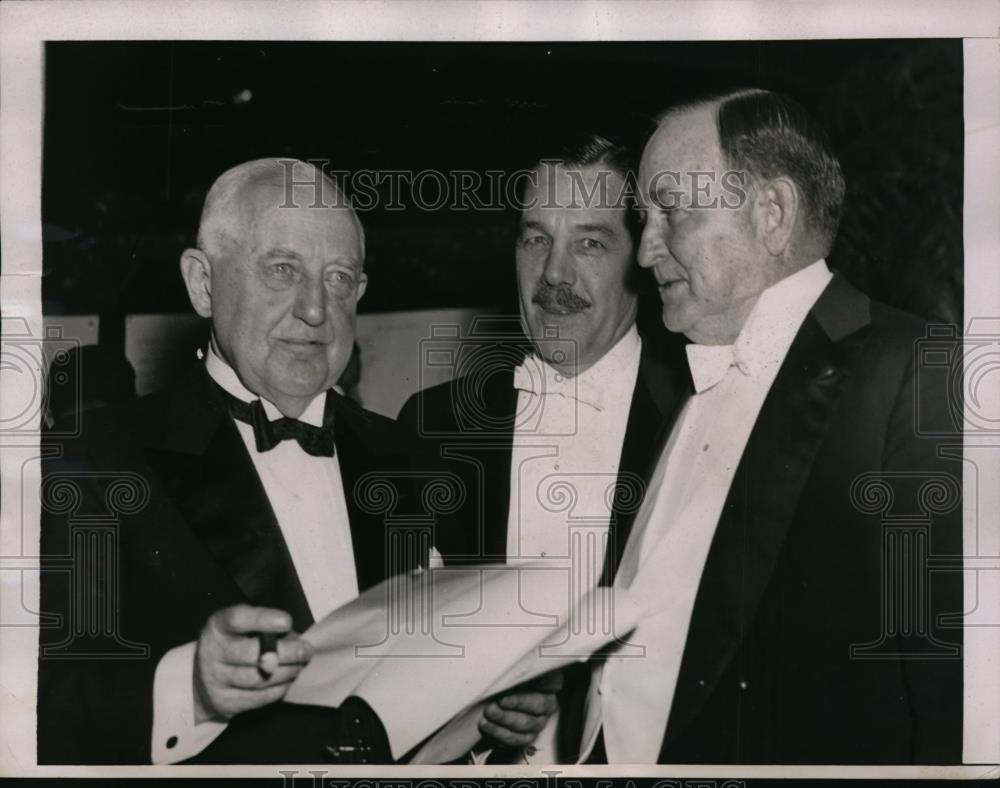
x=153 y=518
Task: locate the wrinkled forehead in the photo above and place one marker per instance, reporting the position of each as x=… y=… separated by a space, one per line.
x=273 y=211
x=575 y=195
x=275 y=191
x=686 y=141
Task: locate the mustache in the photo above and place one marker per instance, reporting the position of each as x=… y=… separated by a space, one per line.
x=558 y=298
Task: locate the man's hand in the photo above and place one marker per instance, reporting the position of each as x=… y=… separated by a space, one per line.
x=516 y=718
x=226 y=677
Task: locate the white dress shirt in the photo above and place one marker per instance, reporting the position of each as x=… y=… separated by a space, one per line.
x=569 y=430
x=567 y=443
x=306 y=494
x=673 y=530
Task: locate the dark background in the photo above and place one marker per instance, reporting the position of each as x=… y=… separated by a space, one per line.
x=135 y=132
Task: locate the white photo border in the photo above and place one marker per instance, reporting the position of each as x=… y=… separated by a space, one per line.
x=26 y=26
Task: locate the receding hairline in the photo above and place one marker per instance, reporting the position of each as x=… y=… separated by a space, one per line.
x=711 y=103
x=226 y=204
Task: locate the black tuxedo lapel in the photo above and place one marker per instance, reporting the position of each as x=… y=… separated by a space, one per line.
x=469 y=425
x=765 y=491
x=363 y=455
x=199 y=456
x=661 y=387
x=491 y=452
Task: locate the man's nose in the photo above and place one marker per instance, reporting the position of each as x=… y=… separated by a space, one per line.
x=310 y=302
x=652 y=246
x=559 y=267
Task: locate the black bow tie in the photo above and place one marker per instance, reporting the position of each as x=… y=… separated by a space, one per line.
x=317 y=441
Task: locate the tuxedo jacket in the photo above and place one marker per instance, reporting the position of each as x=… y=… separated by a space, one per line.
x=819 y=632
x=467 y=426
x=153 y=519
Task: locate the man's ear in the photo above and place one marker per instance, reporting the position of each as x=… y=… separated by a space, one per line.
x=362 y=285
x=197 y=272
x=778 y=207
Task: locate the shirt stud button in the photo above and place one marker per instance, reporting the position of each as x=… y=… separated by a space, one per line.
x=171 y=742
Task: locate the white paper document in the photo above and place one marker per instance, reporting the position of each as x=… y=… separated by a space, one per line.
x=427 y=650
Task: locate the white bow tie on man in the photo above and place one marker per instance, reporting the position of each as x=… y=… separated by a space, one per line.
x=537 y=377
x=709 y=363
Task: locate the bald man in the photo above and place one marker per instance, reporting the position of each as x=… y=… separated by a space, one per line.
x=240 y=517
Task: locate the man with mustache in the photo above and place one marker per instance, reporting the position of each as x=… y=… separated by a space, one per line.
x=575 y=409
x=559 y=300
x=778 y=554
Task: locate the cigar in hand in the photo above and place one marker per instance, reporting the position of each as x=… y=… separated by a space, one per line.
x=267 y=662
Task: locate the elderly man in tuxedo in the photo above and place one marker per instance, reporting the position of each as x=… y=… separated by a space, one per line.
x=763 y=570
x=242 y=522
x=572 y=403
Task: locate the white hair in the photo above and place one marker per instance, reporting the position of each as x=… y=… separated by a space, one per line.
x=224 y=214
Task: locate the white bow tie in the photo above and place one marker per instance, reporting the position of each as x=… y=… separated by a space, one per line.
x=537 y=377
x=710 y=363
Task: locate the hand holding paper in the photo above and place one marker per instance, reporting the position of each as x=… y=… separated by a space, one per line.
x=427 y=651
x=515 y=718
